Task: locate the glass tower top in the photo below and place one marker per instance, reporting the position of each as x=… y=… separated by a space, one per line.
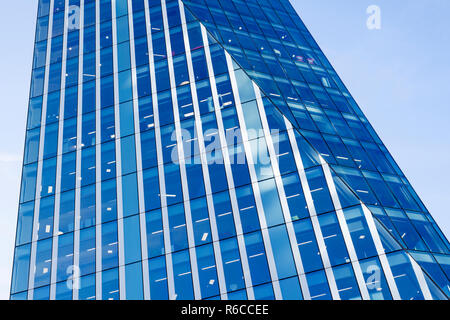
x=207 y=149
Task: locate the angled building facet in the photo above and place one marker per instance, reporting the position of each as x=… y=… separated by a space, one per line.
x=207 y=149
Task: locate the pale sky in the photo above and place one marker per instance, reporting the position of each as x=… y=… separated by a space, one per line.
x=398 y=75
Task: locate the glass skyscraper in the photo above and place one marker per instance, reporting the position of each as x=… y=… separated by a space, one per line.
x=207 y=149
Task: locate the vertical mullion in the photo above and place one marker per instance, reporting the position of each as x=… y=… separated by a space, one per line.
x=345 y=231
x=59 y=159
x=98 y=159
x=255 y=184
x=201 y=142
x=140 y=179
x=187 y=205
x=282 y=195
x=76 y=238
x=122 y=285
x=420 y=278
x=312 y=212
x=228 y=172
x=162 y=182
x=381 y=254
x=40 y=158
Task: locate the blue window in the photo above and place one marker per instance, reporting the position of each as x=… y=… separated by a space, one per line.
x=204 y=96
x=25 y=223
x=182 y=276
x=194 y=175
x=180 y=70
x=51 y=140
x=68 y=171
x=53 y=100
x=27 y=191
x=110 y=284
x=71 y=102
x=155 y=233
x=109 y=200
x=110 y=256
x=67 y=211
x=132 y=238
x=307 y=244
x=239 y=167
x=295 y=196
x=87 y=210
x=158 y=278
x=87 y=251
x=257 y=260
x=290 y=289
x=318 y=285
x=406 y=230
x=271 y=203
x=247 y=209
x=334 y=241
x=173 y=184
x=165 y=108
x=261 y=159
x=141 y=49
x=46 y=209
x=346 y=282
x=319 y=190
x=146 y=117
x=143 y=81
x=133 y=281
x=123 y=55
x=207 y=271
x=34 y=112
x=128 y=152
x=88 y=166
x=201 y=222
x=151 y=189
x=428 y=233
x=108 y=160
x=107 y=91
x=162 y=75
x=88 y=130
x=130 y=195
x=375 y=280
x=282 y=252
x=199 y=64
x=42 y=293
x=232 y=264
x=63 y=292
x=106 y=58
x=404 y=276
x=89 y=39
x=65 y=257
x=20 y=270
x=43 y=263
x=173 y=13
x=32 y=146
x=87 y=288
x=217 y=171
x=125 y=90
x=107 y=123
x=148 y=146
x=359 y=231
x=264 y=292
x=177 y=223
x=224 y=215
x=41 y=28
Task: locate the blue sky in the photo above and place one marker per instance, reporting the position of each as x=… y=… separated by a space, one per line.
x=398 y=75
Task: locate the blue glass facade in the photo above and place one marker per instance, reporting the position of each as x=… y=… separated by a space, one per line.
x=207 y=149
